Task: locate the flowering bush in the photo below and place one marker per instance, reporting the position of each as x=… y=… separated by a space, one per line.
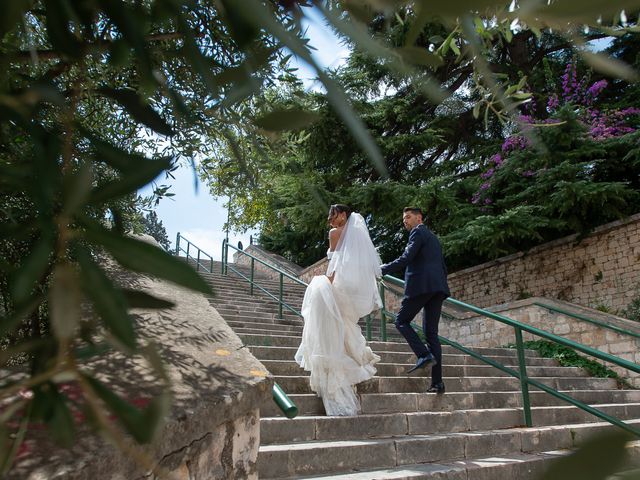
x=575 y=94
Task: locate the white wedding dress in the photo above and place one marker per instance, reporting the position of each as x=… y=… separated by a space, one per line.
x=333 y=348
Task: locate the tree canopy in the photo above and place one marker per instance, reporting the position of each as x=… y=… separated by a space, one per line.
x=564 y=162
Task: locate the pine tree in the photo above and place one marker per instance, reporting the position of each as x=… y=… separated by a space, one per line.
x=152 y=225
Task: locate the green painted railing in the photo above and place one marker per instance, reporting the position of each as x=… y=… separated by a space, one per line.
x=251 y=278
x=180 y=240
x=286 y=405
x=226 y=266
x=521 y=373
x=584 y=318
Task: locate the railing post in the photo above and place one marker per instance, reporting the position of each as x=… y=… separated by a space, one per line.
x=252 y=268
x=226 y=258
x=178 y=244
x=383 y=319
x=524 y=385
x=281 y=295
x=198 y=262
x=222 y=257
x=368 y=327
x=188 y=245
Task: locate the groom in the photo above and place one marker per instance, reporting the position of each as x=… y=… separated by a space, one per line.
x=425 y=288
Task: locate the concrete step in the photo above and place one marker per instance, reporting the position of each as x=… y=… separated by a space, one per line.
x=255 y=314
x=275 y=326
x=290 y=367
x=231 y=314
x=294 y=341
x=243 y=294
x=522 y=466
x=233 y=282
x=244 y=269
x=322 y=428
x=267 y=352
x=239 y=305
x=311 y=404
x=345 y=456
x=417 y=384
x=292 y=320
x=288 y=326
x=248 y=329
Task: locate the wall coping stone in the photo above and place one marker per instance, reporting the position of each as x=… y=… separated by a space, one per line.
x=607 y=318
x=214 y=381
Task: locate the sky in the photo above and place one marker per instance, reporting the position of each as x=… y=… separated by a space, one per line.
x=194 y=213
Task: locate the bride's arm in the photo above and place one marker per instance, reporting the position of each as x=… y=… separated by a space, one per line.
x=334 y=236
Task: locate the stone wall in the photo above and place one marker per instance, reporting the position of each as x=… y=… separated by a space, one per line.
x=471 y=330
x=272 y=259
x=602 y=269
x=213 y=430
x=318 y=268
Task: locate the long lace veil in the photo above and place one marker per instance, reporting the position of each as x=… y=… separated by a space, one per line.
x=356 y=264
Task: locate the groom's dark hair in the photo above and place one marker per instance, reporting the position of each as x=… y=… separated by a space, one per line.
x=339 y=208
x=414 y=210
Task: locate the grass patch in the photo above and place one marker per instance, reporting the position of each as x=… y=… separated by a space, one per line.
x=567 y=357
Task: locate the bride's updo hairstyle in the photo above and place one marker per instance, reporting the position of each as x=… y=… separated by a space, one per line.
x=339 y=208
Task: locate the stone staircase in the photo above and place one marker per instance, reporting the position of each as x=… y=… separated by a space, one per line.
x=474 y=431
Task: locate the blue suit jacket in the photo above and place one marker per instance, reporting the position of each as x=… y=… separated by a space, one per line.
x=425 y=271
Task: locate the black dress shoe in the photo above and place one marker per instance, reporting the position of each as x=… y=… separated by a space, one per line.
x=436 y=388
x=423 y=362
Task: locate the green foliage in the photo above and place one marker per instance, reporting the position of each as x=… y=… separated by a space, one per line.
x=152 y=225
x=632 y=312
x=90 y=93
x=567 y=357
x=598 y=458
x=565 y=182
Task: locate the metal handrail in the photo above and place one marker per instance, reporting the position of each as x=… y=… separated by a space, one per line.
x=584 y=318
x=284 y=403
x=521 y=374
x=196 y=258
x=282 y=304
x=282 y=275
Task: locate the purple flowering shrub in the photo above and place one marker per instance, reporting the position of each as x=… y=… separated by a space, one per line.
x=576 y=95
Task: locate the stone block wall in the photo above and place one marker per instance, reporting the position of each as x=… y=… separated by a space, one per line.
x=602 y=269
x=272 y=259
x=318 y=268
x=471 y=330
x=483 y=331
x=213 y=429
x=230 y=451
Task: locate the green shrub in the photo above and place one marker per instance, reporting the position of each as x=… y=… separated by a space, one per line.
x=567 y=357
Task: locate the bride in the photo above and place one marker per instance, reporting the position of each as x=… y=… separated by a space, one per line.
x=333 y=348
